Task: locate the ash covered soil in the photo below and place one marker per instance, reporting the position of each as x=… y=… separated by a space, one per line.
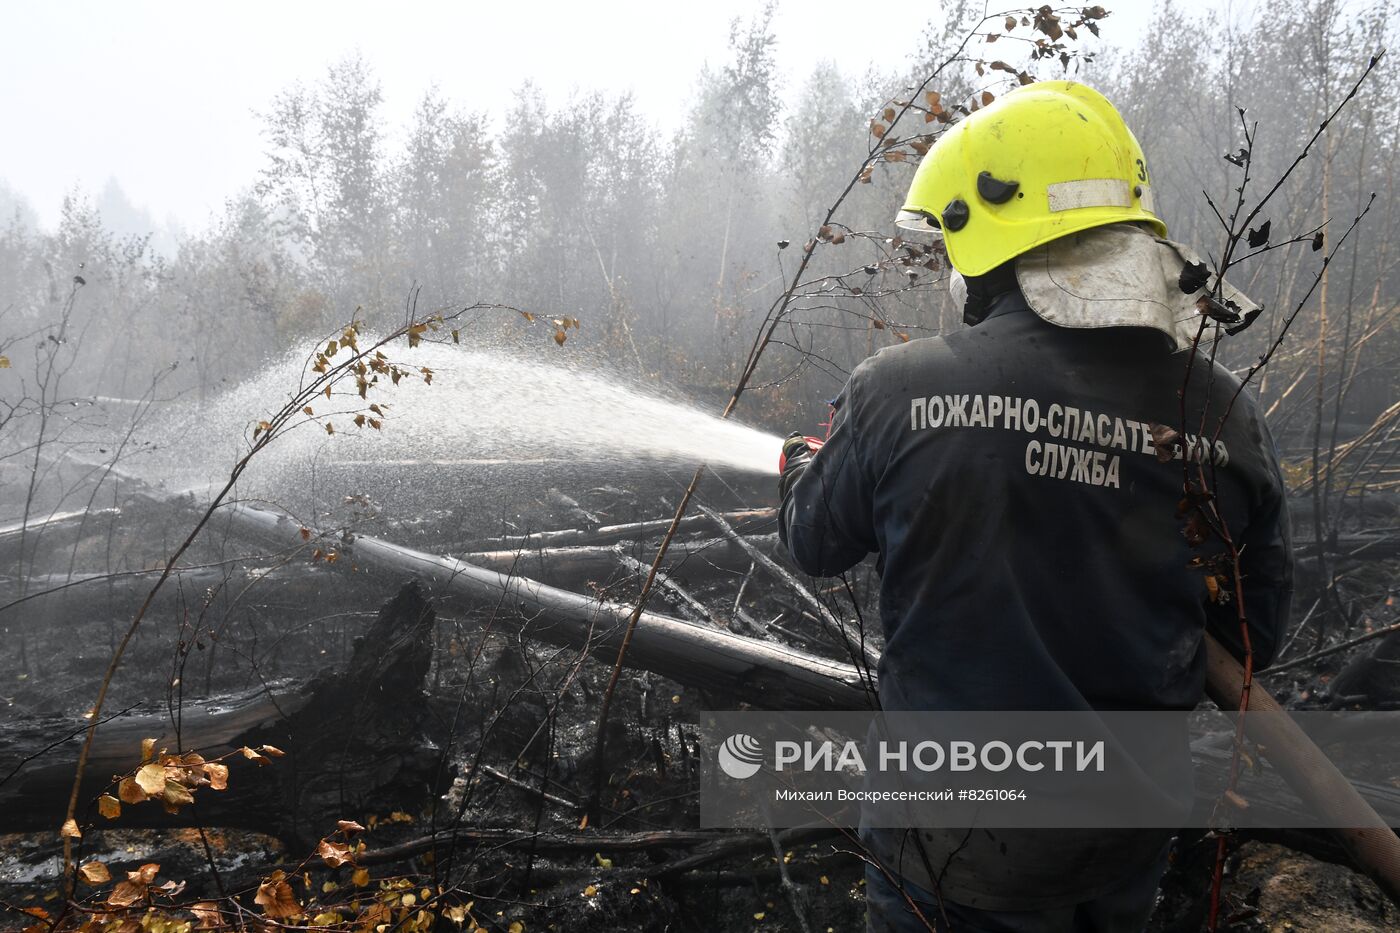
x=523 y=714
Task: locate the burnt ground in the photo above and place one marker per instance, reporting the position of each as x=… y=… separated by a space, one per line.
x=520 y=720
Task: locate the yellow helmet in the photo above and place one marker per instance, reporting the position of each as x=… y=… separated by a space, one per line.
x=1047 y=160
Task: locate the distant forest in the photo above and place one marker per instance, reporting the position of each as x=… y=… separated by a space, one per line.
x=667 y=248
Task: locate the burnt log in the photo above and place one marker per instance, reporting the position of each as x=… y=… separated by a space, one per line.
x=1356 y=546
x=751 y=521
x=572 y=565
x=59 y=530
x=729 y=666
x=61 y=599
x=355 y=742
x=1372 y=679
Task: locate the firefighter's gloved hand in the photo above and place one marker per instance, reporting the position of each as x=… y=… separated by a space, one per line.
x=797 y=453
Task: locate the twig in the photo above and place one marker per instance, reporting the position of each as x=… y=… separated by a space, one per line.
x=861 y=653
x=529 y=788
x=793 y=892
x=680 y=592
x=555 y=842
x=1334 y=649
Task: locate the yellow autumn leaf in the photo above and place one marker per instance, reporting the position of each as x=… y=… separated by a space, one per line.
x=148 y=746
x=109 y=806
x=515 y=927
x=4 y=361
x=590 y=891
x=176 y=794
x=360 y=878
x=151 y=778
x=70 y=830
x=602 y=862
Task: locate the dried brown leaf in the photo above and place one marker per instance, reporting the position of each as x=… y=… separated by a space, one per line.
x=335 y=854
x=208 y=915
x=217 y=773
x=1165 y=440
x=131 y=792
x=94 y=873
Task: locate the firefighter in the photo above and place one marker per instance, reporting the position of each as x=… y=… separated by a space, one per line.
x=1025 y=523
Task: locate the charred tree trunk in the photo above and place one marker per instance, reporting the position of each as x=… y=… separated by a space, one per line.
x=732 y=667
x=751 y=521
x=355 y=743
x=573 y=565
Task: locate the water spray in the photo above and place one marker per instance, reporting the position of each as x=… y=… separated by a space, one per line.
x=483 y=407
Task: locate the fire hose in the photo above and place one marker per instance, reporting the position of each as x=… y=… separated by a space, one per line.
x=1370 y=842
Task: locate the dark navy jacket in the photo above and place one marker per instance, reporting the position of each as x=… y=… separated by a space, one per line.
x=1029 y=547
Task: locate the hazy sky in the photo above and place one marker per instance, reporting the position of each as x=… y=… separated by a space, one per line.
x=162 y=96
